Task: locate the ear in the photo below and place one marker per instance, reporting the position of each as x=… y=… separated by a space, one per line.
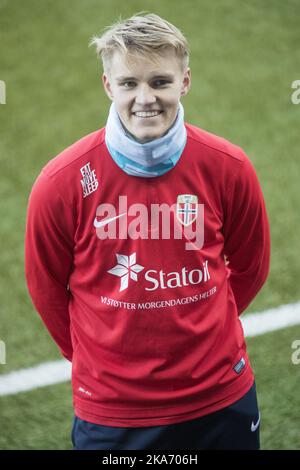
x=187 y=81
x=107 y=86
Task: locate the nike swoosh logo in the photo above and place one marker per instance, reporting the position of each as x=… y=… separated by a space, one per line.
x=255 y=426
x=106 y=221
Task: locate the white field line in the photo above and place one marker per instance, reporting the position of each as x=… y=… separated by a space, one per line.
x=50 y=373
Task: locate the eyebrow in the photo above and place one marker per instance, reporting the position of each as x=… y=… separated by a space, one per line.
x=166 y=76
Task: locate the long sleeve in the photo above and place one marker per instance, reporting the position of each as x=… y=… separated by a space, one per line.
x=48 y=258
x=247 y=236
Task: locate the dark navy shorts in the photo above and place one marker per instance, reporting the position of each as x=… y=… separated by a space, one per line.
x=234 y=427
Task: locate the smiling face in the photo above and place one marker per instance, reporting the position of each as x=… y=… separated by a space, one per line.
x=140 y=86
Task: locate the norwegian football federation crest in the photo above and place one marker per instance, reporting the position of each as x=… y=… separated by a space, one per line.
x=187 y=208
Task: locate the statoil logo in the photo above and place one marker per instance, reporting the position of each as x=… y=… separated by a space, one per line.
x=127 y=269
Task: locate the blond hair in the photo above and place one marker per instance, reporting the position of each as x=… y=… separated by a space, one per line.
x=148 y=35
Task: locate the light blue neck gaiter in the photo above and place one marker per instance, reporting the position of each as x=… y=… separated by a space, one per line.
x=147 y=160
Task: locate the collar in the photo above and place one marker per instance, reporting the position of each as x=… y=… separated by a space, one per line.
x=151 y=159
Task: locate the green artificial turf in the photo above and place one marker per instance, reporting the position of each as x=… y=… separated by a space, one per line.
x=244 y=58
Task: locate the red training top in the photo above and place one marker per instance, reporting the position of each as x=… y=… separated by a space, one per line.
x=150 y=322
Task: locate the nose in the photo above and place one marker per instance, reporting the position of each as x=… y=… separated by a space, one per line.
x=145 y=95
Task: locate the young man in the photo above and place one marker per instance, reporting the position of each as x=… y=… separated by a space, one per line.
x=126 y=238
